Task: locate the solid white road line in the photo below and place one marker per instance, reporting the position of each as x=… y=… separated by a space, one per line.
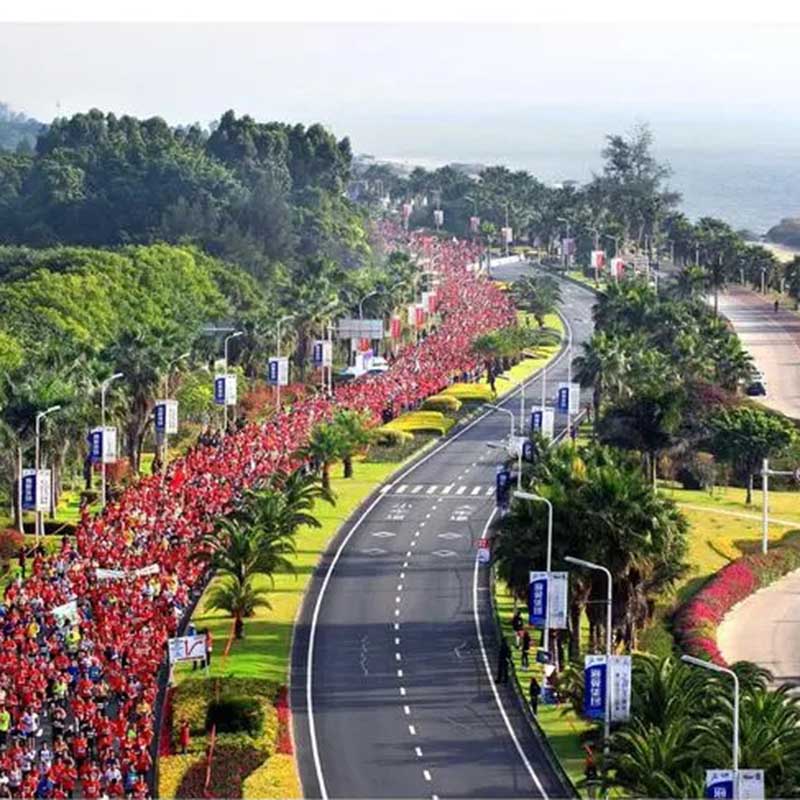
x=489 y=674
x=312 y=637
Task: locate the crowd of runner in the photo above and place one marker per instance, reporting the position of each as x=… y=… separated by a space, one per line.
x=80 y=652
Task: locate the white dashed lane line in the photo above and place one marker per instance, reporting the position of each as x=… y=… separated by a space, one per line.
x=412 y=730
x=418 y=751
x=426 y=774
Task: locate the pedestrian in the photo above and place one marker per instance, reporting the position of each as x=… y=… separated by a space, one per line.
x=517 y=625
x=184 y=736
x=534 y=690
x=777 y=305
x=209 y=646
x=502 y=661
x=526 y=648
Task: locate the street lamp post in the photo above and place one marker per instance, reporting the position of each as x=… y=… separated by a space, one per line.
x=230 y=336
x=565 y=255
x=38 y=522
x=167 y=374
x=579 y=562
x=696 y=662
x=535 y=498
x=511 y=438
x=283 y=319
x=103 y=390
x=765 y=475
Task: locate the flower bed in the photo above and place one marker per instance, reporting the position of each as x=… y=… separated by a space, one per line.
x=696 y=621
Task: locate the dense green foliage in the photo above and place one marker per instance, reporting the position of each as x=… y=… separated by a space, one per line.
x=18 y=132
x=236 y=715
x=604 y=510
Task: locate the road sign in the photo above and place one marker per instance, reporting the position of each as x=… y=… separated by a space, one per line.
x=484 y=552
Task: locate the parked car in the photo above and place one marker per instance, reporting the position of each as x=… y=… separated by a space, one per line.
x=757 y=385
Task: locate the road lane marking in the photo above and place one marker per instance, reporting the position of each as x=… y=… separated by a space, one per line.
x=402 y=691
x=402 y=576
x=418 y=751
x=408 y=555
x=397 y=626
x=397 y=599
x=407 y=710
x=399 y=587
x=398 y=657
x=312 y=637
x=412 y=730
x=397 y=612
x=399 y=673
x=490 y=675
x=405 y=563
x=426 y=775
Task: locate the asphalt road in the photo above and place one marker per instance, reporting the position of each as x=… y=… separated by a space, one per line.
x=765 y=629
x=394 y=650
x=774 y=342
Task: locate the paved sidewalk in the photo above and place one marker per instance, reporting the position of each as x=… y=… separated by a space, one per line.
x=765 y=628
x=774 y=342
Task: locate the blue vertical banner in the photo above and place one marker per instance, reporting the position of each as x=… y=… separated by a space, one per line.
x=29 y=490
x=273 y=369
x=537 y=599
x=719 y=783
x=96 y=445
x=528 y=452
x=563 y=399
x=502 y=487
x=594 y=686
x=219 y=390
x=536 y=420
x=317 y=354
x=160 y=417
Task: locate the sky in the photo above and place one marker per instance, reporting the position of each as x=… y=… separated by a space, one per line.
x=720 y=98
x=395 y=87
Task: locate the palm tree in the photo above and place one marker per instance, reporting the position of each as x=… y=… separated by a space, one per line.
x=325 y=445
x=239 y=599
x=355 y=435
x=689 y=283
x=539 y=295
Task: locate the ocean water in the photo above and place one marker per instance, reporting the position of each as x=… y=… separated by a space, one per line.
x=749 y=189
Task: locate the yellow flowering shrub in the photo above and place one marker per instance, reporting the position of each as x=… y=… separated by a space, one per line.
x=276 y=779
x=470 y=392
x=172 y=770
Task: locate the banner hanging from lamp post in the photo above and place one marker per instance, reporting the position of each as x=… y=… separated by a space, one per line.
x=322 y=353
x=599 y=259
x=507 y=234
x=395 y=327
x=474 y=224
x=36 y=493
x=103 y=445
x=594 y=686
x=719 y=783
x=620 y=676
x=225 y=390
x=165 y=416
x=537 y=599
x=278 y=371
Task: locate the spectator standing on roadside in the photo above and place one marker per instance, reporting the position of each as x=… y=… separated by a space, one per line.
x=526 y=648
x=502 y=661
x=534 y=690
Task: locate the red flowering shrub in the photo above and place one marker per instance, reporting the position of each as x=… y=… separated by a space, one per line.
x=284 y=743
x=696 y=621
x=10 y=542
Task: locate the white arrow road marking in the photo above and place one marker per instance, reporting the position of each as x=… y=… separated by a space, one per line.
x=373 y=551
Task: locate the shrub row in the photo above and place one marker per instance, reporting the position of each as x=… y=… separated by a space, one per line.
x=696 y=621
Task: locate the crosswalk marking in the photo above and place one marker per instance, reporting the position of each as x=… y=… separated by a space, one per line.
x=461 y=490
x=476 y=490
x=417 y=489
x=437 y=490
x=432 y=489
x=489 y=491
x=402 y=488
x=447 y=489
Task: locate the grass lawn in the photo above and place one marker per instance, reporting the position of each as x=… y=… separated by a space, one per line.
x=717 y=537
x=264 y=652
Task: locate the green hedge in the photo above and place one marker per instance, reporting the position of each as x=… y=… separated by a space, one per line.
x=236 y=715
